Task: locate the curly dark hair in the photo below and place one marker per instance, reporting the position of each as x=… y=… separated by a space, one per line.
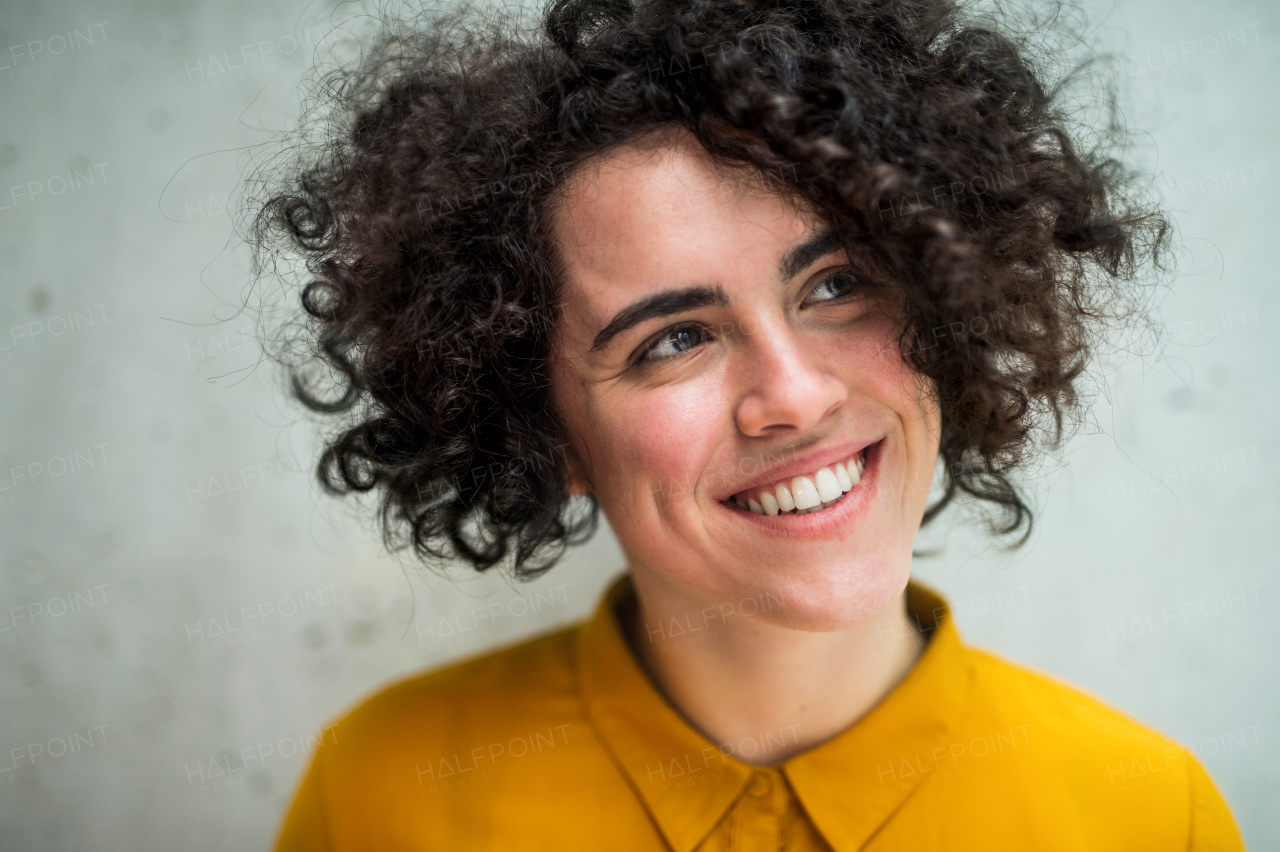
x=920 y=132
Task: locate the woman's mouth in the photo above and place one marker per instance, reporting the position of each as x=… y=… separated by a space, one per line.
x=811 y=492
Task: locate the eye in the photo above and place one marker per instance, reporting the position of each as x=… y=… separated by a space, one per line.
x=834 y=287
x=673 y=342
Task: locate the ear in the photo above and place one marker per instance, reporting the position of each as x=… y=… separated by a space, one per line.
x=578 y=486
x=579 y=483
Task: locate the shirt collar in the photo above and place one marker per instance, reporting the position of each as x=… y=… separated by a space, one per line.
x=848 y=785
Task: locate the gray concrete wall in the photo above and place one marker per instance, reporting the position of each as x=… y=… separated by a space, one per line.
x=154 y=484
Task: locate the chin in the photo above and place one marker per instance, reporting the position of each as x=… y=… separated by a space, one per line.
x=843 y=595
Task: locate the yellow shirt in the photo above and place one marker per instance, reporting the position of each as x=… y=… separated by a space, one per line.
x=562 y=743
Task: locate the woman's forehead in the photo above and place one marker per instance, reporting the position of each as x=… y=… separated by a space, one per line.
x=668 y=212
x=631 y=248
x=664 y=178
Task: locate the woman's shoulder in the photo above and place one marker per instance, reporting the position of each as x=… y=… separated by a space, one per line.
x=1065 y=711
x=425 y=762
x=1096 y=755
x=529 y=681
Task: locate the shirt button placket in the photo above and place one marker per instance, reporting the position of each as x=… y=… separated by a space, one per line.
x=759 y=812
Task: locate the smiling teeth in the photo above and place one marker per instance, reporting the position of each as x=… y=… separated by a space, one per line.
x=842 y=476
x=805 y=494
x=785 y=501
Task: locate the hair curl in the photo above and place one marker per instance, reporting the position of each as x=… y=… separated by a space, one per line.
x=924 y=134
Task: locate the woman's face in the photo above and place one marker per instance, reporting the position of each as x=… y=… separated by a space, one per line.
x=715 y=349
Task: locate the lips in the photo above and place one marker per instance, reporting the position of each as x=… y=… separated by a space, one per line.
x=808 y=492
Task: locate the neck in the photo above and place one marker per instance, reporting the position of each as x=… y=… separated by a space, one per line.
x=744 y=678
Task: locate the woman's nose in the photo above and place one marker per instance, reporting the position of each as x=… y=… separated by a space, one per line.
x=786 y=386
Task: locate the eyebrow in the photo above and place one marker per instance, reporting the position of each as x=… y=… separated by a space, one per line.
x=802 y=256
x=660 y=305
x=671 y=302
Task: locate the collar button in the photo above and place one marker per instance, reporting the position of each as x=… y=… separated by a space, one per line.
x=761 y=785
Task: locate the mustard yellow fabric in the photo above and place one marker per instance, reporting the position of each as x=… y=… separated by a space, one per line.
x=562 y=743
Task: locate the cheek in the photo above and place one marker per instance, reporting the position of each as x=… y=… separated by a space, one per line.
x=873 y=365
x=656 y=442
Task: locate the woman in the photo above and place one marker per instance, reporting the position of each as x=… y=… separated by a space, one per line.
x=742 y=275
